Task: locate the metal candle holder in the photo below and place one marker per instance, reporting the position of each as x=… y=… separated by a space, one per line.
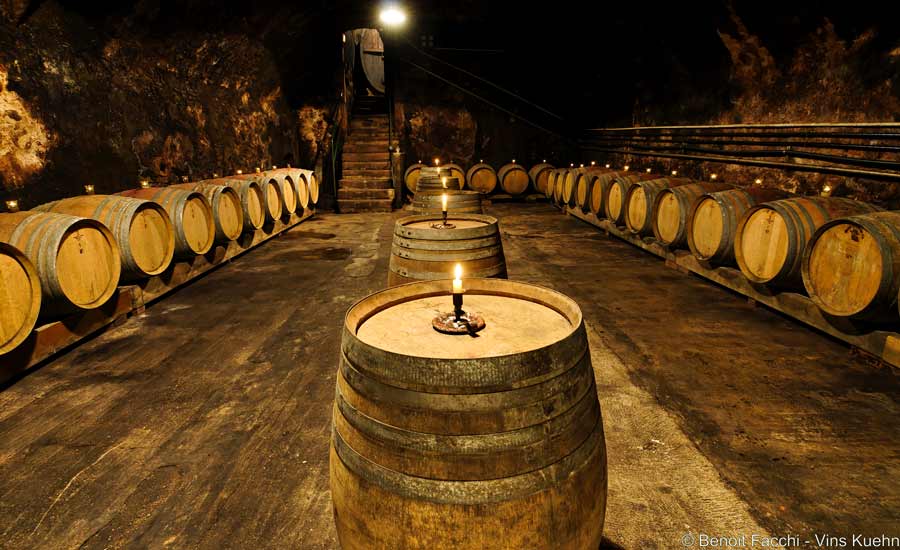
x=458 y=321
x=443 y=224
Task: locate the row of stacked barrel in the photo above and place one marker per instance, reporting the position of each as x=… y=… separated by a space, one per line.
x=844 y=253
x=512 y=178
x=72 y=254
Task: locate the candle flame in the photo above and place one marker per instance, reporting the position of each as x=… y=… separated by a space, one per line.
x=457 y=271
x=13 y=206
x=444 y=182
x=627 y=167
x=444 y=202
x=714 y=176
x=437 y=161
x=89 y=189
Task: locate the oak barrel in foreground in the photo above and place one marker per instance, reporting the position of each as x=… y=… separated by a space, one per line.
x=77 y=259
x=20 y=297
x=443 y=441
x=771 y=237
x=851 y=267
x=421 y=252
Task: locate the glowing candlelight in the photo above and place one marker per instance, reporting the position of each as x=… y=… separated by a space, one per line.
x=12 y=206
x=239 y=172
x=758 y=181
x=215 y=175
x=88 y=189
x=607 y=166
x=258 y=170
x=514 y=161
x=274 y=167
x=444 y=201
x=648 y=170
x=627 y=167
x=145 y=184
x=674 y=172
x=714 y=176
x=457 y=279
x=593 y=162
x=437 y=161
x=444 y=183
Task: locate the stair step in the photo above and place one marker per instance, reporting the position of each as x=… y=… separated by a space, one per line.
x=368 y=174
x=382 y=164
x=365 y=183
x=352 y=206
x=359 y=143
x=364 y=194
x=367 y=156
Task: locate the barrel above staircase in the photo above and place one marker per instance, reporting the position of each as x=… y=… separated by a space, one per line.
x=365 y=185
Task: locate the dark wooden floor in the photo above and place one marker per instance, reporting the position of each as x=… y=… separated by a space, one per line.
x=205 y=422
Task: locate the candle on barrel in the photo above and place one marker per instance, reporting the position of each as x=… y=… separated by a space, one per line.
x=444 y=208
x=444 y=183
x=89 y=189
x=458 y=322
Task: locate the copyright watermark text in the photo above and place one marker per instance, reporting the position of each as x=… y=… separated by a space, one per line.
x=721 y=542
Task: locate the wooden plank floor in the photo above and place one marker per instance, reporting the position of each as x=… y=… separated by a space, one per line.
x=204 y=423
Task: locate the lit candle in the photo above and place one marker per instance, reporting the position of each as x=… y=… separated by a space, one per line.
x=444 y=183
x=514 y=161
x=758 y=181
x=593 y=162
x=274 y=167
x=239 y=172
x=607 y=166
x=674 y=172
x=12 y=206
x=648 y=170
x=627 y=167
x=258 y=170
x=444 y=202
x=145 y=184
x=89 y=189
x=457 y=279
x=714 y=176
x=437 y=161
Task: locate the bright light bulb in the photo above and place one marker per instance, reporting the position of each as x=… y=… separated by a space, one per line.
x=392 y=16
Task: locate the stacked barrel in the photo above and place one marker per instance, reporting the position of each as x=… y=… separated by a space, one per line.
x=71 y=255
x=512 y=179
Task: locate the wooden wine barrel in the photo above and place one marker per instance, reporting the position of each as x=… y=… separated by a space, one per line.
x=672 y=208
x=771 y=237
x=599 y=189
x=513 y=179
x=312 y=181
x=142 y=229
x=288 y=195
x=583 y=182
x=226 y=207
x=455 y=171
x=191 y=216
x=252 y=200
x=301 y=187
x=411 y=177
x=559 y=185
x=20 y=297
x=444 y=441
x=569 y=186
x=273 y=202
x=851 y=267
x=482 y=178
x=429 y=202
x=76 y=259
x=550 y=191
x=614 y=201
x=540 y=174
x=639 y=201
x=428 y=183
x=420 y=252
x=713 y=220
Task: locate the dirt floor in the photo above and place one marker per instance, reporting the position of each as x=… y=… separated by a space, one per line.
x=204 y=423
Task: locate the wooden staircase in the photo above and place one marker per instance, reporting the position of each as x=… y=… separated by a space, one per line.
x=366 y=183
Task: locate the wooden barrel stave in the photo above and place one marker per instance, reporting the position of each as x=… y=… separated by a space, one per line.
x=420 y=252
x=142 y=229
x=481 y=177
x=429 y=202
x=614 y=201
x=20 y=297
x=771 y=237
x=472 y=448
x=190 y=213
x=77 y=259
x=513 y=179
x=273 y=201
